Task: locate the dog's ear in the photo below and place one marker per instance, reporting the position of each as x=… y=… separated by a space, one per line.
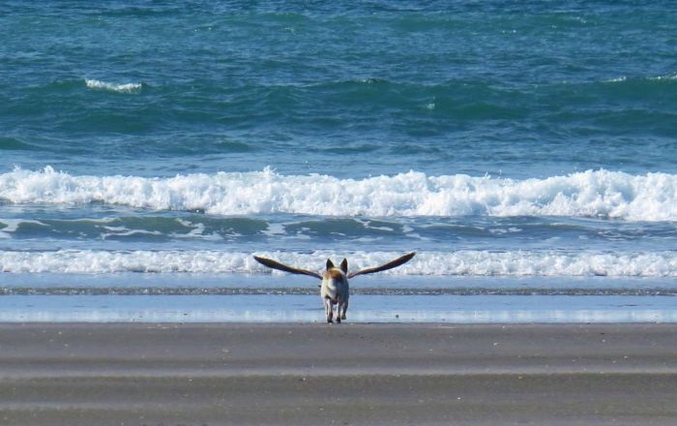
x=329 y=264
x=344 y=266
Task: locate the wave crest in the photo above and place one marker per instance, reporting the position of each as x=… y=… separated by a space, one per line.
x=113 y=87
x=601 y=193
x=460 y=263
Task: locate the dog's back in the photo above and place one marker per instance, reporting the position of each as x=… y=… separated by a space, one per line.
x=334 y=285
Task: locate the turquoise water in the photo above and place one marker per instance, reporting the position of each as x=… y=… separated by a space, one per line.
x=500 y=140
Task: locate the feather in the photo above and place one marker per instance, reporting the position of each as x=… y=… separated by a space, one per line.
x=392 y=264
x=279 y=266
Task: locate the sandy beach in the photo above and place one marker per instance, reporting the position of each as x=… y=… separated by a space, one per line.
x=352 y=374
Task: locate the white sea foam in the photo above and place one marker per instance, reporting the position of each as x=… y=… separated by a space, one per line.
x=120 y=88
x=601 y=193
x=460 y=263
x=665 y=77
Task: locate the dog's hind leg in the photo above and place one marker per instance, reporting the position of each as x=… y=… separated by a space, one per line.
x=345 y=309
x=328 y=310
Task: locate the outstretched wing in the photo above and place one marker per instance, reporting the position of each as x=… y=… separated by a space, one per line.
x=392 y=264
x=277 y=265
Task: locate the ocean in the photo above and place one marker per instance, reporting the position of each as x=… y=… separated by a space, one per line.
x=527 y=151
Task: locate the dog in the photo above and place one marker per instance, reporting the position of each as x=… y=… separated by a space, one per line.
x=334 y=290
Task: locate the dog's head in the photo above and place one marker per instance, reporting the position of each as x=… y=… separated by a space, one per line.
x=343 y=266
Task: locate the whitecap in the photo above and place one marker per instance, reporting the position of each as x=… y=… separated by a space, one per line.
x=668 y=77
x=467 y=263
x=599 y=194
x=113 y=87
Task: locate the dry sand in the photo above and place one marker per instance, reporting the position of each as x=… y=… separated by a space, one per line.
x=352 y=374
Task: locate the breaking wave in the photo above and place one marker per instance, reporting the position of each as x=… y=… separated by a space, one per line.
x=600 y=193
x=461 y=263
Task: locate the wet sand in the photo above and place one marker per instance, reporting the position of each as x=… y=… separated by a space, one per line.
x=352 y=374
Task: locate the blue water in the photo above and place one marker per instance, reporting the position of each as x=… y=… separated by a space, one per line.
x=525 y=150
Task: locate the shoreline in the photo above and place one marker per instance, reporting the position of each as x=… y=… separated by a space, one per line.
x=385 y=373
x=292 y=309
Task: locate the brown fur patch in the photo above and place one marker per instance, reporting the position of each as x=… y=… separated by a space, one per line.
x=335 y=274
